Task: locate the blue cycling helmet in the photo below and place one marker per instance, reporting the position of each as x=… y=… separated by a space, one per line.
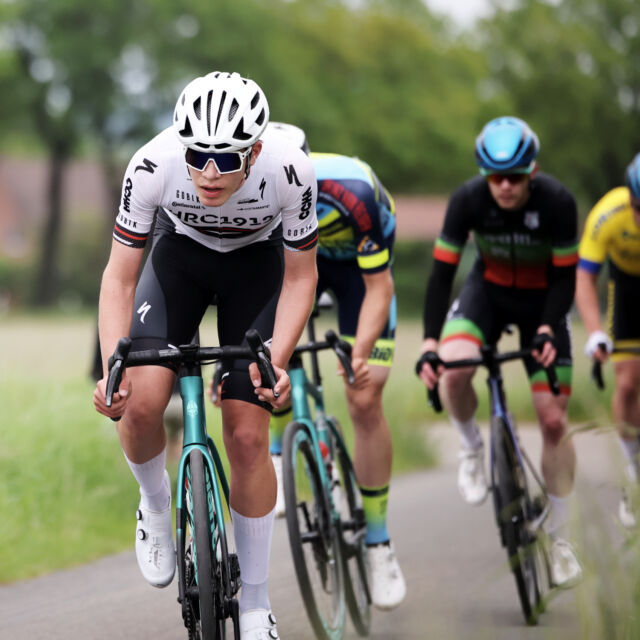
x=632 y=177
x=506 y=144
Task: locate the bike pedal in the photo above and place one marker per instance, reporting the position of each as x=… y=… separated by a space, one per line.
x=234 y=573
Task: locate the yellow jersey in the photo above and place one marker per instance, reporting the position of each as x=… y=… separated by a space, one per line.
x=611 y=232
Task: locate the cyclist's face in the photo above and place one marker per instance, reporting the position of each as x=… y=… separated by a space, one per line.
x=510 y=192
x=213 y=188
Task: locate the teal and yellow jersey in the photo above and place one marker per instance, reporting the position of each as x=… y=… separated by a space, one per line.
x=356 y=214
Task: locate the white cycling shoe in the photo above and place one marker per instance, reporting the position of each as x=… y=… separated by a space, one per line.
x=472 y=481
x=386 y=581
x=625 y=510
x=564 y=567
x=276 y=458
x=155 y=549
x=258 y=624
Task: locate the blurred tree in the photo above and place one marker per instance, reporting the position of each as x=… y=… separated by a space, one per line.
x=572 y=69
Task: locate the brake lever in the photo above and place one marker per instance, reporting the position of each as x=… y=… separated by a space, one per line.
x=117 y=364
x=263 y=360
x=343 y=351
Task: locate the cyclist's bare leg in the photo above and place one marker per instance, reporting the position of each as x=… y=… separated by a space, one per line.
x=246 y=439
x=558 y=454
x=625 y=403
x=252 y=496
x=458 y=394
x=373 y=448
x=141 y=430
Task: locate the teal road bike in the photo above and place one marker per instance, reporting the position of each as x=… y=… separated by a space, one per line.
x=324 y=514
x=208 y=575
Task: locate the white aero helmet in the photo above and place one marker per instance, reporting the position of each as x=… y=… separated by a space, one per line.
x=289 y=131
x=220 y=112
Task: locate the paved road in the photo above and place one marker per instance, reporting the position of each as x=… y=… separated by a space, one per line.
x=459 y=586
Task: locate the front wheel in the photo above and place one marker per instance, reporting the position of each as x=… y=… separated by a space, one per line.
x=313 y=535
x=199 y=568
x=514 y=511
x=353 y=529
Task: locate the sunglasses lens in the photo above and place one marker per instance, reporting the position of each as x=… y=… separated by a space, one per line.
x=225 y=162
x=511 y=178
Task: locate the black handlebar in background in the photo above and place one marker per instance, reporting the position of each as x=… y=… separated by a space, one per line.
x=343 y=351
x=432 y=358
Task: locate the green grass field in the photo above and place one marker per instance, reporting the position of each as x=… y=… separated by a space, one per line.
x=66 y=493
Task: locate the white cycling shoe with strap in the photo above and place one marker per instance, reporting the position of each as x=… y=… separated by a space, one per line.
x=472 y=481
x=258 y=624
x=386 y=582
x=155 y=549
x=564 y=567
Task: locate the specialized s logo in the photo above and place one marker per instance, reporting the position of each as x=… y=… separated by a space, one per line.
x=126 y=196
x=292 y=176
x=144 y=308
x=147 y=166
x=263 y=184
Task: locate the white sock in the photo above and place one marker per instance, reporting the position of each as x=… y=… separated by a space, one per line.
x=253 y=545
x=631 y=449
x=155 y=493
x=470 y=436
x=558 y=519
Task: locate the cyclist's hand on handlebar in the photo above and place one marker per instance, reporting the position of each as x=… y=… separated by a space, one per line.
x=361 y=372
x=544 y=350
x=218 y=397
x=598 y=346
x=282 y=387
x=425 y=366
x=120 y=397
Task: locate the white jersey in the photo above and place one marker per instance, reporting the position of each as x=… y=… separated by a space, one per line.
x=276 y=203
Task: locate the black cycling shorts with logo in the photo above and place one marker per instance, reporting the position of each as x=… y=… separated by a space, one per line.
x=181 y=278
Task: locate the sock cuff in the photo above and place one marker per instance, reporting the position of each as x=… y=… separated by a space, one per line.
x=252 y=527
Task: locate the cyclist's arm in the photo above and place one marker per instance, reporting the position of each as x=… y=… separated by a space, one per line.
x=116 y=297
x=295 y=303
x=564 y=258
x=587 y=300
x=446 y=257
x=374 y=311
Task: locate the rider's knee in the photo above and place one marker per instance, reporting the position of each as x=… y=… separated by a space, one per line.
x=457 y=381
x=365 y=403
x=627 y=390
x=554 y=427
x=246 y=445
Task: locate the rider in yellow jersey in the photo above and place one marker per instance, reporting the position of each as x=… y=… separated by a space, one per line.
x=612 y=234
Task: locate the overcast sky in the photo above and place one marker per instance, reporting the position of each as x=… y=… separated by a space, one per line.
x=462 y=11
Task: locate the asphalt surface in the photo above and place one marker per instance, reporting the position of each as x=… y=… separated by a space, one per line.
x=459 y=586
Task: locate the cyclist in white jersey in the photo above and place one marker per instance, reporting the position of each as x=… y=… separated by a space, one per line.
x=225 y=206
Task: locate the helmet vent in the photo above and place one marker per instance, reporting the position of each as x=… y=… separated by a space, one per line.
x=260 y=118
x=254 y=101
x=187 y=132
x=222 y=99
x=239 y=132
x=233 y=110
x=197 y=108
x=209 y=99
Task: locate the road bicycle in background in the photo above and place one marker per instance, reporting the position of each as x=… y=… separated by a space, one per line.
x=324 y=514
x=208 y=575
x=519 y=514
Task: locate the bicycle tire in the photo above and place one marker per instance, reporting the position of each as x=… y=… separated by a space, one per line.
x=313 y=536
x=513 y=509
x=356 y=580
x=212 y=624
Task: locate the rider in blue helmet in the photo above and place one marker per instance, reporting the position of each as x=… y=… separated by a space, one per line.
x=632 y=177
x=506 y=144
x=524 y=224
